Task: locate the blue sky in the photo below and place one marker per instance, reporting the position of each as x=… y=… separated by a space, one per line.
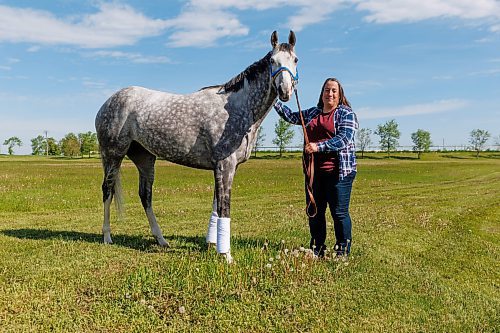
x=429 y=64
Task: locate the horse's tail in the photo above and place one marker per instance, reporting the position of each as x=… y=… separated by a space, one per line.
x=112 y=184
x=119 y=198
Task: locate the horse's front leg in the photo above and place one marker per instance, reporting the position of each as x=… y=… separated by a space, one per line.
x=211 y=238
x=224 y=175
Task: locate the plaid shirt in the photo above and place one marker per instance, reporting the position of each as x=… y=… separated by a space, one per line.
x=346 y=124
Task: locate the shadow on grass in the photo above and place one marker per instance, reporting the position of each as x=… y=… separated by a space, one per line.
x=140 y=243
x=144 y=243
x=385 y=157
x=458 y=157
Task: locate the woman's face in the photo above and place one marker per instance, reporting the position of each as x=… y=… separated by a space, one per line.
x=331 y=95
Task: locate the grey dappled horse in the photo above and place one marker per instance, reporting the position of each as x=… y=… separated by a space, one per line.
x=214 y=128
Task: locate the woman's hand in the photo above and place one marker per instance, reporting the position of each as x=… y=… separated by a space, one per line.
x=311 y=147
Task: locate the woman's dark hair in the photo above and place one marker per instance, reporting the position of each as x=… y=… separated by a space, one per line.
x=342 y=99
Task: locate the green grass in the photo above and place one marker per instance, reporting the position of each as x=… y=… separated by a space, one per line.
x=425 y=250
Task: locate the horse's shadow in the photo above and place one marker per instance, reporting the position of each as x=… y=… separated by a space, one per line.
x=139 y=243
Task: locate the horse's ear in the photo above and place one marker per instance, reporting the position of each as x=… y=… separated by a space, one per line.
x=274 y=39
x=291 y=38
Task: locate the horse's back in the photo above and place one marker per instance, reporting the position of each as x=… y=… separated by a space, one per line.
x=176 y=127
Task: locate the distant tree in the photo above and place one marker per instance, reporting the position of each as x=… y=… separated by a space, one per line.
x=364 y=139
x=421 y=141
x=284 y=134
x=54 y=148
x=389 y=135
x=478 y=139
x=260 y=139
x=11 y=142
x=70 y=146
x=38 y=145
x=88 y=143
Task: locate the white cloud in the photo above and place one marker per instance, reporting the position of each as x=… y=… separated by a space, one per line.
x=198 y=27
x=392 y=11
x=412 y=110
x=495 y=28
x=487 y=72
x=33 y=49
x=113 y=25
x=312 y=12
x=133 y=57
x=203 y=22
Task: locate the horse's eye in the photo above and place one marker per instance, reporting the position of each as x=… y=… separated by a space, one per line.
x=296 y=60
x=272 y=61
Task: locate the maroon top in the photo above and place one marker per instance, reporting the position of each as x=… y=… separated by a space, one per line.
x=322 y=128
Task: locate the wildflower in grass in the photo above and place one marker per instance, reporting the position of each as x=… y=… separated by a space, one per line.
x=309 y=254
x=302 y=249
x=182 y=310
x=271 y=259
x=269 y=266
x=278 y=257
x=286 y=251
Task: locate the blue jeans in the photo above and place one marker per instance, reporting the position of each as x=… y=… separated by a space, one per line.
x=329 y=190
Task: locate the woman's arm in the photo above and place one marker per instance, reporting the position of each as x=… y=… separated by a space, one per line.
x=345 y=135
x=294 y=117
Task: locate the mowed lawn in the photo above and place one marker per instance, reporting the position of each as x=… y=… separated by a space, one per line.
x=426 y=250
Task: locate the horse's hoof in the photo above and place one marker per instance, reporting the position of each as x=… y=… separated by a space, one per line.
x=229 y=258
x=107 y=240
x=162 y=242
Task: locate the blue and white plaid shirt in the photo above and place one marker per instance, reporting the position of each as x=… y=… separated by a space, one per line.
x=346 y=124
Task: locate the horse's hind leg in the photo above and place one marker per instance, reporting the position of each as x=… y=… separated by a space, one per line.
x=145 y=163
x=110 y=187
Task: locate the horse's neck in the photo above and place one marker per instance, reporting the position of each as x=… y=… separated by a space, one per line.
x=257 y=97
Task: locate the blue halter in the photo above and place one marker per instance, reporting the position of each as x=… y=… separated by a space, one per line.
x=295 y=77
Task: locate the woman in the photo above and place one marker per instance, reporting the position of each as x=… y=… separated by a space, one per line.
x=330 y=127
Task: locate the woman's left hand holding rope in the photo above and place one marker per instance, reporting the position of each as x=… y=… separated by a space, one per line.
x=311 y=147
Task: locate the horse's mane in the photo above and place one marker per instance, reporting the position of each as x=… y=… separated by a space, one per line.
x=250 y=73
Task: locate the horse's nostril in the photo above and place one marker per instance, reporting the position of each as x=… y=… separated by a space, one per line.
x=280 y=90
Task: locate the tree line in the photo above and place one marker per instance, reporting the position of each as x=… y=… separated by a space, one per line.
x=389 y=135
x=388 y=132
x=83 y=144
x=71 y=145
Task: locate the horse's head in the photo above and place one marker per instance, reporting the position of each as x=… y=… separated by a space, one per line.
x=284 y=73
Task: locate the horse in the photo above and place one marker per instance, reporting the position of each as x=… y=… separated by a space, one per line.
x=214 y=128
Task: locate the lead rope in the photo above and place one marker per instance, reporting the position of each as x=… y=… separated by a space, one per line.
x=308 y=166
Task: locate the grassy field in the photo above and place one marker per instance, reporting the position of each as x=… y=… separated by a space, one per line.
x=425 y=255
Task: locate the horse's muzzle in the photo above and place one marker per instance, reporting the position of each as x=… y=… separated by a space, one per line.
x=284 y=95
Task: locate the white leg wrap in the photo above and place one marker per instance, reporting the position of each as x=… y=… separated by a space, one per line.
x=223 y=234
x=212 y=229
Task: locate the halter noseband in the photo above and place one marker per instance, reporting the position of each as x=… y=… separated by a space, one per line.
x=295 y=78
